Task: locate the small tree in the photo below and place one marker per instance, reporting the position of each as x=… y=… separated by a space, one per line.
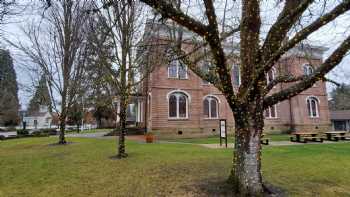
x=59 y=46
x=122 y=23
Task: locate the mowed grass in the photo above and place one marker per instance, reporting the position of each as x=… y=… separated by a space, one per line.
x=230 y=139
x=31 y=167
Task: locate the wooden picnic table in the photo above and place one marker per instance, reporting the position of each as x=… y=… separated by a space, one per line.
x=336 y=135
x=306 y=136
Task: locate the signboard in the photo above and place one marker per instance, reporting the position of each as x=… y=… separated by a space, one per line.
x=223 y=131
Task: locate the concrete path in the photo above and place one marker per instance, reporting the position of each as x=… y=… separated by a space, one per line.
x=7 y=134
x=89 y=135
x=274 y=143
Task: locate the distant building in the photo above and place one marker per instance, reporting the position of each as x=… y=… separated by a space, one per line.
x=340 y=120
x=38 y=120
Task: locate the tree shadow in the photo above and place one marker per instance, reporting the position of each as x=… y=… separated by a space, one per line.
x=220 y=187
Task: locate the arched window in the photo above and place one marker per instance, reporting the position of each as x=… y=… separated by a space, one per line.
x=308 y=69
x=178 y=70
x=210 y=107
x=271 y=112
x=178 y=105
x=236 y=75
x=270 y=76
x=313 y=107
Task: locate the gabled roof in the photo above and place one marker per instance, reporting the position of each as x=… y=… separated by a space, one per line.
x=340 y=115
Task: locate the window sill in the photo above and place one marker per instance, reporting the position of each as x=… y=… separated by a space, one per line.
x=211 y=118
x=175 y=78
x=272 y=118
x=178 y=119
x=316 y=117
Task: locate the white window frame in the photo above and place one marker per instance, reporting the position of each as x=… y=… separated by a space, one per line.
x=209 y=98
x=177 y=64
x=309 y=69
x=273 y=70
x=269 y=110
x=310 y=98
x=239 y=74
x=188 y=98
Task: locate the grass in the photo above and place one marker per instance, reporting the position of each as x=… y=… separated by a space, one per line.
x=30 y=167
x=230 y=139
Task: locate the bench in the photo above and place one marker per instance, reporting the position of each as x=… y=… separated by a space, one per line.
x=265 y=141
x=313 y=138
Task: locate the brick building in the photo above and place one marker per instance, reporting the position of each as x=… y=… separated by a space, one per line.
x=178 y=103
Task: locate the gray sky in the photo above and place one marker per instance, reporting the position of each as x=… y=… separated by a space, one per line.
x=329 y=36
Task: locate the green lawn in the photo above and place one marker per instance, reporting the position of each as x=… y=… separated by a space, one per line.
x=230 y=139
x=30 y=167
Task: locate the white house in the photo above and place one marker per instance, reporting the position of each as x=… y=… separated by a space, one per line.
x=39 y=120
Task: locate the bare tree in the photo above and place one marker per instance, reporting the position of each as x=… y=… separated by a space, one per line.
x=123 y=23
x=59 y=47
x=261 y=47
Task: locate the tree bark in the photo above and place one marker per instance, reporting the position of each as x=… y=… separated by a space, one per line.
x=246 y=175
x=62 y=139
x=122 y=118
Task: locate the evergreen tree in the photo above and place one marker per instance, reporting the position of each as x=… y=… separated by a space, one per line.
x=340 y=98
x=41 y=97
x=9 y=104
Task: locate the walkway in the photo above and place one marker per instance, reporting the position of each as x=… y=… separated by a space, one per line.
x=273 y=143
x=140 y=139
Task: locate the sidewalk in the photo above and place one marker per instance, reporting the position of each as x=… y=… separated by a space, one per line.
x=275 y=143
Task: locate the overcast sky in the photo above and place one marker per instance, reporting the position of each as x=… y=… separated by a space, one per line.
x=329 y=36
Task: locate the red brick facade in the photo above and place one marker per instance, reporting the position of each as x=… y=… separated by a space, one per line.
x=292 y=115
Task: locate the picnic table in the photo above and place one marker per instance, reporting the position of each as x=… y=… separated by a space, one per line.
x=335 y=135
x=264 y=140
x=306 y=136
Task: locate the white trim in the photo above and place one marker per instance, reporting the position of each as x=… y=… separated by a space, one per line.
x=269 y=109
x=179 y=90
x=177 y=64
x=209 y=102
x=317 y=106
x=188 y=99
x=308 y=67
x=273 y=75
x=239 y=74
x=217 y=98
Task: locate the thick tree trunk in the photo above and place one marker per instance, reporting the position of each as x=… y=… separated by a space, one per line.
x=246 y=171
x=122 y=118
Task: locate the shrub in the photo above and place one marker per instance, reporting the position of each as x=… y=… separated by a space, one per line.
x=22 y=132
x=39 y=133
x=49 y=131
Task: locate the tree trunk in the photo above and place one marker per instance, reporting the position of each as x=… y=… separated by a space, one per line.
x=122 y=118
x=62 y=139
x=246 y=171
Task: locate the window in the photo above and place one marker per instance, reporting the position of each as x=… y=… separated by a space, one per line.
x=308 y=69
x=312 y=107
x=210 y=106
x=271 y=112
x=205 y=68
x=177 y=70
x=236 y=75
x=178 y=105
x=270 y=76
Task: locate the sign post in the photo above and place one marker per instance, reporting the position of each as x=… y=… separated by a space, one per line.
x=223 y=131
